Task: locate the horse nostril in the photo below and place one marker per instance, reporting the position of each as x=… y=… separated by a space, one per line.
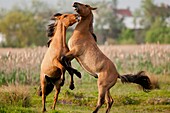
x=75 y=4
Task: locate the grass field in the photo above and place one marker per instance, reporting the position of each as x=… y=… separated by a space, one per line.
x=19 y=80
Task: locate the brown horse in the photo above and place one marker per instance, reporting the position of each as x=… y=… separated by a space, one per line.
x=90 y=57
x=50 y=33
x=52 y=71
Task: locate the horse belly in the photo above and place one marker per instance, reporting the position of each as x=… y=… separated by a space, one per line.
x=87 y=69
x=47 y=66
x=89 y=65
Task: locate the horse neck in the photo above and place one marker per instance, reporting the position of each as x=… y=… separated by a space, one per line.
x=60 y=35
x=85 y=24
x=91 y=25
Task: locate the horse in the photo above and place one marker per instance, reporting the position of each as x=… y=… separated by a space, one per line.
x=50 y=33
x=85 y=50
x=52 y=71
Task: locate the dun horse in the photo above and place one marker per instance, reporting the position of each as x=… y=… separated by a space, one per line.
x=52 y=71
x=83 y=47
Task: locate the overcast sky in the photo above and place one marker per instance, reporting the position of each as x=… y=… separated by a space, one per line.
x=132 y=4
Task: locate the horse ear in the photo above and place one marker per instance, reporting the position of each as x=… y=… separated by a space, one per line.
x=49 y=42
x=56 y=16
x=93 y=8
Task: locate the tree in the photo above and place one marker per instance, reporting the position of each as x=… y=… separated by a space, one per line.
x=158 y=33
x=127 y=36
x=154 y=16
x=21 y=29
x=108 y=25
x=149 y=14
x=26 y=27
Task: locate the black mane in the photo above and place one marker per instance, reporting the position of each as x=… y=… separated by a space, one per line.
x=50 y=32
x=50 y=29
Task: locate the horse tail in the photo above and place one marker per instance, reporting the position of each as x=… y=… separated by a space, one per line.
x=139 y=78
x=48 y=89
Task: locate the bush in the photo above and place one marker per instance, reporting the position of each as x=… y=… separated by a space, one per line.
x=127 y=37
x=158 y=33
x=15 y=95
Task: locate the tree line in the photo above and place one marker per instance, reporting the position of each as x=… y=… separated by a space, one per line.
x=155 y=20
x=26 y=27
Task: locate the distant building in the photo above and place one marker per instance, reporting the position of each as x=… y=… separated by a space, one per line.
x=2 y=38
x=127 y=18
x=123 y=13
x=129 y=21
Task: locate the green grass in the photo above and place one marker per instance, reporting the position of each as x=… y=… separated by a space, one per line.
x=128 y=98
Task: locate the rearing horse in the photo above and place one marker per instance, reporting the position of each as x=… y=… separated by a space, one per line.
x=90 y=57
x=52 y=71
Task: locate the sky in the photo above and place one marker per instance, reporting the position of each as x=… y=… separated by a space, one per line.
x=132 y=4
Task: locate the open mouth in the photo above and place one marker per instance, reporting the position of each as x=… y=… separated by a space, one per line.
x=75 y=6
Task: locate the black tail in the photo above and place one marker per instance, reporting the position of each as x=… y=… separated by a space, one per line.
x=139 y=78
x=49 y=87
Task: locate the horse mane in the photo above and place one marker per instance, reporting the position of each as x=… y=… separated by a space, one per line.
x=50 y=29
x=91 y=29
x=50 y=32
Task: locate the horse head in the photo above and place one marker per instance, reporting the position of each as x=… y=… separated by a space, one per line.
x=83 y=9
x=66 y=19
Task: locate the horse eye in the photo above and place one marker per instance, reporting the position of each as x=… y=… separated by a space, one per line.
x=65 y=16
x=86 y=5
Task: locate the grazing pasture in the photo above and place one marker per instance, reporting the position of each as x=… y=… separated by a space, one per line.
x=19 y=80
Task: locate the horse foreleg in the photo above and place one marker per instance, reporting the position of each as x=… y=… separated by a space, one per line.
x=57 y=87
x=71 y=83
x=62 y=77
x=65 y=62
x=72 y=80
x=69 y=56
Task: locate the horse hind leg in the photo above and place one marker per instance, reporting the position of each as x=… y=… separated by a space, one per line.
x=109 y=101
x=101 y=97
x=43 y=88
x=57 y=87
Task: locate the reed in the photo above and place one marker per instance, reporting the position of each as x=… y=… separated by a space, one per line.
x=22 y=66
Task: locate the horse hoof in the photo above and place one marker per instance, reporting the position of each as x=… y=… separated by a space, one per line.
x=44 y=110
x=52 y=108
x=78 y=74
x=71 y=87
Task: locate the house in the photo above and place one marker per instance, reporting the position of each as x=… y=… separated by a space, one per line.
x=2 y=38
x=123 y=13
x=129 y=20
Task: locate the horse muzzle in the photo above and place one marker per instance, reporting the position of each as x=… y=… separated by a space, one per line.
x=75 y=6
